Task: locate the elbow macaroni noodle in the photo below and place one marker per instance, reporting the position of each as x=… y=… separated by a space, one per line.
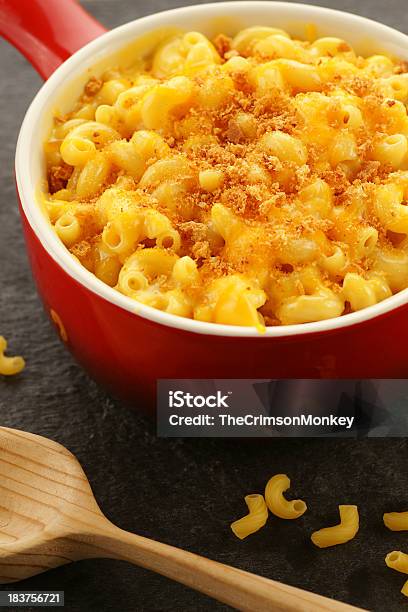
x=396 y=521
x=345 y=531
x=252 y=522
x=398 y=561
x=255 y=181
x=9 y=365
x=277 y=504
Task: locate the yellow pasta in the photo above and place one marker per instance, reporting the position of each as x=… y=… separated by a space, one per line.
x=345 y=531
x=323 y=304
x=77 y=150
x=284 y=147
x=276 y=502
x=331 y=47
x=278 y=166
x=398 y=561
x=244 y=41
x=361 y=293
x=396 y=521
x=389 y=207
x=254 y=520
x=68 y=228
x=9 y=365
x=392 y=150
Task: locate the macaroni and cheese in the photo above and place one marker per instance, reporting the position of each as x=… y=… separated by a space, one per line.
x=256 y=181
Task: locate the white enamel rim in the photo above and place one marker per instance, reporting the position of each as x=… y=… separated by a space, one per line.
x=344 y=24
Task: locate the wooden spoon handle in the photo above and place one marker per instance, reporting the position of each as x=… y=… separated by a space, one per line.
x=239 y=589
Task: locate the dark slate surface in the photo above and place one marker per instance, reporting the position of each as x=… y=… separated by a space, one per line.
x=185 y=492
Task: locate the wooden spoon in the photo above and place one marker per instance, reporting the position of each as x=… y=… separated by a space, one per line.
x=49 y=517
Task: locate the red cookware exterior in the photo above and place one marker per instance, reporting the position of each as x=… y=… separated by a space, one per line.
x=126 y=352
x=47 y=39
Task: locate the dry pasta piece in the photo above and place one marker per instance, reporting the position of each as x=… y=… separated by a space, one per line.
x=277 y=504
x=339 y=534
x=254 y=520
x=9 y=365
x=398 y=561
x=396 y=521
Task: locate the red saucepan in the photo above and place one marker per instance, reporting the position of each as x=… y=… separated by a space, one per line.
x=128 y=346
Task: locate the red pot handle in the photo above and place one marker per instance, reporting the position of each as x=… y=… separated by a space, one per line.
x=47 y=32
